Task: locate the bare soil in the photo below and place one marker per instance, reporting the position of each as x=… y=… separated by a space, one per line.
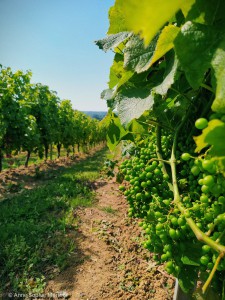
x=113 y=263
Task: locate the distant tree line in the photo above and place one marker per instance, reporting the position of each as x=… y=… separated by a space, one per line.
x=33 y=119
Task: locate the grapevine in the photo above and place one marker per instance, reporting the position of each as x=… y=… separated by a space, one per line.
x=33 y=119
x=166 y=97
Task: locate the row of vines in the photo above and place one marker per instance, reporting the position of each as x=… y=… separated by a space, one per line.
x=33 y=119
x=166 y=102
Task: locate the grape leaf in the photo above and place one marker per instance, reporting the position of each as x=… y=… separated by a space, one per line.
x=194 y=46
x=109 y=96
x=118 y=75
x=115 y=131
x=186 y=6
x=137 y=57
x=188 y=261
x=207 y=12
x=213 y=135
x=116 y=70
x=191 y=258
x=218 y=64
x=169 y=77
x=187 y=278
x=133 y=102
x=117 y=22
x=112 y=41
x=164 y=42
x=137 y=127
x=146 y=17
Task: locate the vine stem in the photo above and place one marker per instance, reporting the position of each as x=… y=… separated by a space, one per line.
x=159 y=154
x=207 y=283
x=205 y=86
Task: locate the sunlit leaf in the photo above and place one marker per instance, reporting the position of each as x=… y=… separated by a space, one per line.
x=117 y=19
x=137 y=57
x=146 y=17
x=186 y=6
x=165 y=42
x=118 y=75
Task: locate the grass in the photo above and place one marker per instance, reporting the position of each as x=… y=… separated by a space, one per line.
x=109 y=210
x=38 y=227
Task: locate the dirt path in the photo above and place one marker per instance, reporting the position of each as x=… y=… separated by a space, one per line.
x=109 y=262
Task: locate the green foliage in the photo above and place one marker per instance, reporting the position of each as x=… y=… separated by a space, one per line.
x=177 y=83
x=33 y=118
x=195 y=57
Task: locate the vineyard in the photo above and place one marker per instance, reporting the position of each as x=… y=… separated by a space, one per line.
x=167 y=87
x=33 y=119
x=128 y=224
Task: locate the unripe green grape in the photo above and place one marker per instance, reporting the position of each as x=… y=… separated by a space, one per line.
x=204 y=198
x=201 y=123
x=195 y=170
x=221 y=199
x=205 y=188
x=207 y=164
x=185 y=156
x=204 y=260
x=208 y=180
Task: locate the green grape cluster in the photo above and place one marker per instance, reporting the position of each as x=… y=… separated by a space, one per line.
x=204 y=200
x=151 y=199
x=150 y=196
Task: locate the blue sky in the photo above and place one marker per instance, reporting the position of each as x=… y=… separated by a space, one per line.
x=55 y=40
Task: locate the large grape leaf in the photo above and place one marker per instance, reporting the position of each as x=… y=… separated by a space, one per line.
x=146 y=17
x=169 y=77
x=112 y=41
x=133 y=102
x=137 y=57
x=218 y=64
x=194 y=46
x=165 y=42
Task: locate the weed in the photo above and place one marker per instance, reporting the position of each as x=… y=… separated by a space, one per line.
x=109 y=210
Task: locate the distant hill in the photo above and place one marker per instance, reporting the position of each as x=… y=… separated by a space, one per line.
x=99 y=115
